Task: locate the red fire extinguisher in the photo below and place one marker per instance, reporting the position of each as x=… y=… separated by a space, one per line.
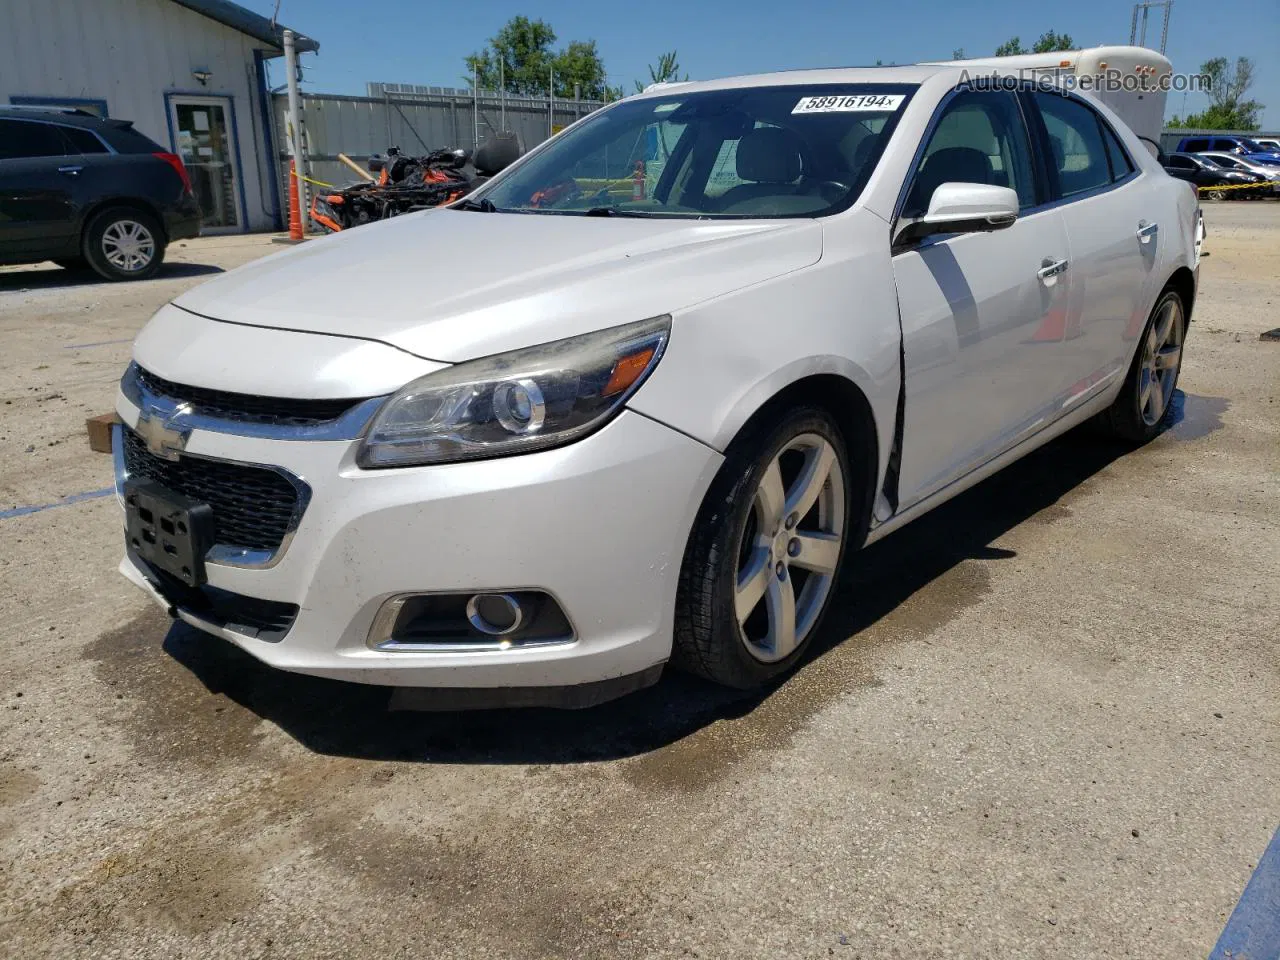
x=637 y=182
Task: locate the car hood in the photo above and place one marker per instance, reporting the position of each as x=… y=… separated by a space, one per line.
x=452 y=285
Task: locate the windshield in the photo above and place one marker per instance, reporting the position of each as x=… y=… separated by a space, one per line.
x=1252 y=146
x=795 y=151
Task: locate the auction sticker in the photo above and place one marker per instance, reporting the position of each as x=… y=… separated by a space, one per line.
x=850 y=104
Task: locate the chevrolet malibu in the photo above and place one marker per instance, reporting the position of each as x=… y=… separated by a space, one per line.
x=636 y=400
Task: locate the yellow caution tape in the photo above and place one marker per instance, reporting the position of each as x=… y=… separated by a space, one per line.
x=318 y=183
x=1266 y=185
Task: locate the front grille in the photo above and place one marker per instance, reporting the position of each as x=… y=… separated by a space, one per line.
x=248 y=408
x=267 y=620
x=252 y=506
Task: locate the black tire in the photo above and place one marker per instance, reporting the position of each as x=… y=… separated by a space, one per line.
x=709 y=640
x=113 y=221
x=1129 y=418
x=72 y=263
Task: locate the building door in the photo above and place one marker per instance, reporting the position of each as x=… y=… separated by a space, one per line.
x=205 y=138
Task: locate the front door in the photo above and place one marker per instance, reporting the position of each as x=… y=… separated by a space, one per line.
x=205 y=139
x=981 y=312
x=37 y=186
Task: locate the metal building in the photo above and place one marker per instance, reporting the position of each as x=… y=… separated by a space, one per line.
x=190 y=74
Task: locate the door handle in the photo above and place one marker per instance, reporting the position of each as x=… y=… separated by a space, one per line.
x=1146 y=231
x=1050 y=268
x=70 y=171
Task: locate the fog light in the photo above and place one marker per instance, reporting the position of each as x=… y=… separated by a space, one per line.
x=495 y=614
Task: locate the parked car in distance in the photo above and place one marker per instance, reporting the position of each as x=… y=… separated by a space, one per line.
x=725 y=333
x=1244 y=164
x=1268 y=143
x=1238 y=145
x=1215 y=182
x=85 y=191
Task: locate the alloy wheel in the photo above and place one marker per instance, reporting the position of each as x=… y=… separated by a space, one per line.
x=128 y=245
x=1161 y=358
x=790 y=547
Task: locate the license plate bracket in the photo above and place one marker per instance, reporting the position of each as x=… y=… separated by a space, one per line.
x=170 y=531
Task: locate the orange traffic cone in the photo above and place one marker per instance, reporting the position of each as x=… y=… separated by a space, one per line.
x=295 y=204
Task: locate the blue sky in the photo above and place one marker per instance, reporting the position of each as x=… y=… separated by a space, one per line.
x=420 y=41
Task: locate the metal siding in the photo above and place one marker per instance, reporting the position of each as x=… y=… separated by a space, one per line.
x=131 y=53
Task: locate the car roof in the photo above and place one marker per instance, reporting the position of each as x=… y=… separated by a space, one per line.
x=913 y=74
x=68 y=117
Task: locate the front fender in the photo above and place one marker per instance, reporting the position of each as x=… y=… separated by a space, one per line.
x=729 y=356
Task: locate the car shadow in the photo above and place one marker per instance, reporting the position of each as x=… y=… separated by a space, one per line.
x=52 y=277
x=353 y=720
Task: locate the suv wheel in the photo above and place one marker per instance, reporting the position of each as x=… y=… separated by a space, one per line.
x=761 y=564
x=124 y=244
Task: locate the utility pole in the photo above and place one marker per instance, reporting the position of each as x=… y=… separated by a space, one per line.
x=475 y=109
x=551 y=103
x=295 y=119
x=502 y=86
x=1138 y=37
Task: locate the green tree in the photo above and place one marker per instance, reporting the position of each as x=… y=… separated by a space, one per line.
x=521 y=59
x=580 y=71
x=667 y=71
x=957 y=53
x=1228 y=109
x=1050 y=41
x=1011 y=48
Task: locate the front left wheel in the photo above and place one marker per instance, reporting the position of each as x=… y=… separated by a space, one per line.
x=761 y=564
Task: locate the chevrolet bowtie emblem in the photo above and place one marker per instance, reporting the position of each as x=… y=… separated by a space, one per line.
x=164 y=434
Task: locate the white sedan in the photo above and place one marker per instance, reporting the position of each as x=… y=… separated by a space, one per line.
x=636 y=400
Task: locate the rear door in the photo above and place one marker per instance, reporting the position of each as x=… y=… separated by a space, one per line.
x=981 y=312
x=1113 y=226
x=37 y=182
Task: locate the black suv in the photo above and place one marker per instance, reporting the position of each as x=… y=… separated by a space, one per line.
x=81 y=190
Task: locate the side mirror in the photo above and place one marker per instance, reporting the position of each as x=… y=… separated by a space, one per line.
x=964 y=208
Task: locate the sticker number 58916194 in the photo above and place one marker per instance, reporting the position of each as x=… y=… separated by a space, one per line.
x=851 y=103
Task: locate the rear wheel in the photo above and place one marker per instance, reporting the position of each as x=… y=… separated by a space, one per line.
x=761 y=564
x=1215 y=194
x=1139 y=411
x=124 y=244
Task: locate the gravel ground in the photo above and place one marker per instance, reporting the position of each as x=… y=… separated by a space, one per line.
x=1044 y=721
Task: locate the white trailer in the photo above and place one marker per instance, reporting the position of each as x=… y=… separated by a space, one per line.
x=1130 y=80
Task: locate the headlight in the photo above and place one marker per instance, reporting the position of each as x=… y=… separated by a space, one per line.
x=515 y=402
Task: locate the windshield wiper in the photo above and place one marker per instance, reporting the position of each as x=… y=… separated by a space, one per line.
x=483 y=205
x=612 y=212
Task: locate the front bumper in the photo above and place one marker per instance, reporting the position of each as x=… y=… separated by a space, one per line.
x=600 y=525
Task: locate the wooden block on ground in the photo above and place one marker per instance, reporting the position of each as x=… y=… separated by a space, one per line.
x=99 y=429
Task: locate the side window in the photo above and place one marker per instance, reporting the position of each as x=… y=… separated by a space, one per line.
x=22 y=139
x=82 y=140
x=980 y=138
x=1196 y=146
x=1078 y=153
x=1181 y=163
x=1121 y=165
